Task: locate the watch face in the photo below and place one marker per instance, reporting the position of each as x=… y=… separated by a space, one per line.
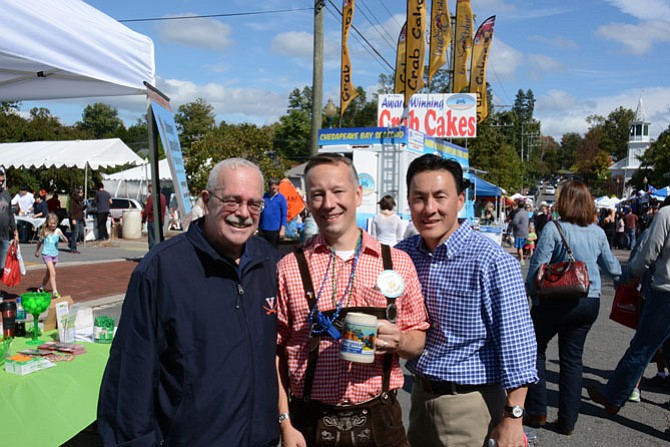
x=517 y=412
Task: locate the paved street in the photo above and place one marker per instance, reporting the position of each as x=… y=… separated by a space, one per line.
x=99 y=275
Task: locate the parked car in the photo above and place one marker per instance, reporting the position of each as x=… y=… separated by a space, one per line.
x=118 y=206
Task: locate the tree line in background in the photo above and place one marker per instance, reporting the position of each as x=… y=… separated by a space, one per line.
x=509 y=147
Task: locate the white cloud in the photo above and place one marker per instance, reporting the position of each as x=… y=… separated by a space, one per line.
x=638 y=38
x=209 y=34
x=560 y=112
x=234 y=104
x=540 y=65
x=643 y=9
x=504 y=60
x=556 y=42
x=299 y=45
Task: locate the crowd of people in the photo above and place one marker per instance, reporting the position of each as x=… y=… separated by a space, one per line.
x=236 y=345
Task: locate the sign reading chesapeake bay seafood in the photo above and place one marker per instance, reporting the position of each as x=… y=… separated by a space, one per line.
x=452 y=115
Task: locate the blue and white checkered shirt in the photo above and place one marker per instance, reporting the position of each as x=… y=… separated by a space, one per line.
x=481 y=331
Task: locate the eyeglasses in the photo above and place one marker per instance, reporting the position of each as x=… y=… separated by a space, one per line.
x=233 y=203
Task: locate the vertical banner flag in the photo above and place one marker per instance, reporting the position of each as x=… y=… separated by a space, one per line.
x=399 y=81
x=415 y=53
x=347 y=90
x=480 y=52
x=440 y=36
x=463 y=44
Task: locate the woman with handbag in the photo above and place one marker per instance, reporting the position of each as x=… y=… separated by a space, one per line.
x=578 y=246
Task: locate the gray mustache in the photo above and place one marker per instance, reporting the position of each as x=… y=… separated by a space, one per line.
x=234 y=220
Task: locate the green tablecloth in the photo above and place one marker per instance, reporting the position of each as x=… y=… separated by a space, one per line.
x=48 y=407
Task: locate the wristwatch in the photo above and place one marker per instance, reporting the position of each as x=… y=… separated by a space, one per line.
x=515 y=412
x=284 y=417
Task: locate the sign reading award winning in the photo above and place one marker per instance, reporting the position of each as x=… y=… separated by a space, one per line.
x=436 y=115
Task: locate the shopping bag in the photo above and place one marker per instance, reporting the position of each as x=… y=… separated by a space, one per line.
x=11 y=274
x=626 y=306
x=22 y=265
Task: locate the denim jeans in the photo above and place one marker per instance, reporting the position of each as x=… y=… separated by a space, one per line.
x=652 y=331
x=630 y=238
x=571 y=320
x=77 y=231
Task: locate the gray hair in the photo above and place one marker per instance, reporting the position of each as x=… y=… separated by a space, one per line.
x=230 y=163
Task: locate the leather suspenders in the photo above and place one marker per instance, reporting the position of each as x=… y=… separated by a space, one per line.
x=314 y=339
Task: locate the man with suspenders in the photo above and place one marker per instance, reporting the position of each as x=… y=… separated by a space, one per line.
x=324 y=399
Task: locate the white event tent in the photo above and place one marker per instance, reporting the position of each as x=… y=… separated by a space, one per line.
x=67 y=49
x=70 y=154
x=131 y=182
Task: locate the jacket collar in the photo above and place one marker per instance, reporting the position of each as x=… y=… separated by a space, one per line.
x=251 y=254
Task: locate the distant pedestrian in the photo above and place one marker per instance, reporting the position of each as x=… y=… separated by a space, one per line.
x=570 y=319
x=653 y=253
x=76 y=216
x=48 y=242
x=102 y=202
x=149 y=218
x=630 y=220
x=8 y=231
x=387 y=227
x=519 y=224
x=53 y=203
x=272 y=226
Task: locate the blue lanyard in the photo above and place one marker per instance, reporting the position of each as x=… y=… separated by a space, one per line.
x=323 y=323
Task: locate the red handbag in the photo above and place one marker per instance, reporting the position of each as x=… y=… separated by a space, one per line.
x=563 y=280
x=11 y=275
x=626 y=306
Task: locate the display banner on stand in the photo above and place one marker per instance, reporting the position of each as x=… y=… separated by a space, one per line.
x=167 y=129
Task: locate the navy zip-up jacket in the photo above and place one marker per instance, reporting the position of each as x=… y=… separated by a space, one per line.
x=193 y=360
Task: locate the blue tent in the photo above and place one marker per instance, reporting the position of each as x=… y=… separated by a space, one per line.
x=484 y=188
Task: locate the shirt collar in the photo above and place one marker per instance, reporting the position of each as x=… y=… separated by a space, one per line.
x=454 y=243
x=369 y=245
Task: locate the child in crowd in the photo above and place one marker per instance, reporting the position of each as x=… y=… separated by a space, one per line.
x=48 y=242
x=530 y=240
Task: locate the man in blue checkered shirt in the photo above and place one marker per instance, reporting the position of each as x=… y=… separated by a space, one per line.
x=470 y=381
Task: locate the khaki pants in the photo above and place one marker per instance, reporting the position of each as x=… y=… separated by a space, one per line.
x=454 y=420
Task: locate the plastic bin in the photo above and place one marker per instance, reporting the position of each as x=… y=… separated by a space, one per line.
x=132 y=224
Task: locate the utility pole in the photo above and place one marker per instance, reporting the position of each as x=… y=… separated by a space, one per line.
x=317 y=78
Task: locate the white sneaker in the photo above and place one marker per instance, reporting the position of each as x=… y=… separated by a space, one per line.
x=634 y=396
x=522 y=262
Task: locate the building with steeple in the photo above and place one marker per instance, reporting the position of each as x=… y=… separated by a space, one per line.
x=638 y=142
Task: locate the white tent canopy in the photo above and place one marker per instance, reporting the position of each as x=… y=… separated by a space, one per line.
x=133 y=182
x=141 y=173
x=67 y=49
x=75 y=153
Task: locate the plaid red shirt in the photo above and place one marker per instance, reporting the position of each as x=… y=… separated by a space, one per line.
x=337 y=381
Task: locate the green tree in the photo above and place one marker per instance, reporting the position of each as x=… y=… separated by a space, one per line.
x=101 y=121
x=137 y=137
x=655 y=163
x=242 y=140
x=292 y=135
x=491 y=152
x=301 y=100
x=194 y=120
x=617 y=131
x=567 y=152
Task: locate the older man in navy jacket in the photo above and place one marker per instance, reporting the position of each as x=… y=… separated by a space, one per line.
x=192 y=363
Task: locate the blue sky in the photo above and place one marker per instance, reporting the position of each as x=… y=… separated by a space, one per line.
x=580 y=57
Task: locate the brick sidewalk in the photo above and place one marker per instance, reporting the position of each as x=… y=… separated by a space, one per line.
x=83 y=282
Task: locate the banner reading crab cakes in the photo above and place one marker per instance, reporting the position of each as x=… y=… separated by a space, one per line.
x=480 y=53
x=415 y=47
x=436 y=115
x=347 y=90
x=440 y=36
